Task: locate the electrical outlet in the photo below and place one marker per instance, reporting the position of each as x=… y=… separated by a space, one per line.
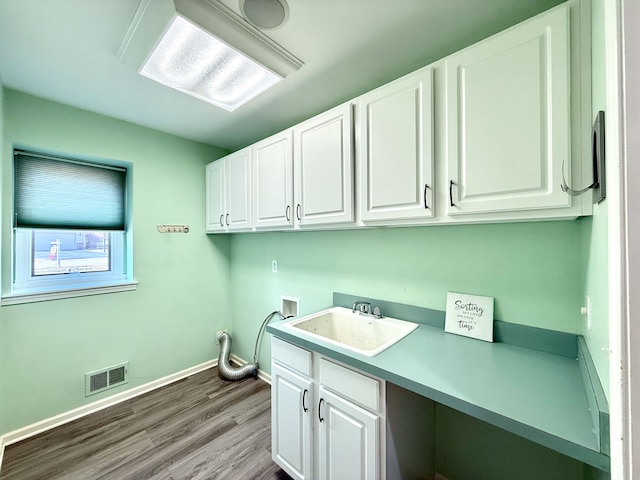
x=274 y=266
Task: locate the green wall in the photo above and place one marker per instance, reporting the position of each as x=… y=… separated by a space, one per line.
x=468 y=448
x=596 y=227
x=532 y=269
x=168 y=324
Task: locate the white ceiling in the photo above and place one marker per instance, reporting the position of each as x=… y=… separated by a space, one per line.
x=65 y=50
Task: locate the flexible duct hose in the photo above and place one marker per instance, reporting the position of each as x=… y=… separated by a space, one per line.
x=236 y=373
x=226 y=370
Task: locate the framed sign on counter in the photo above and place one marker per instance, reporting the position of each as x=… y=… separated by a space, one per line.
x=469 y=315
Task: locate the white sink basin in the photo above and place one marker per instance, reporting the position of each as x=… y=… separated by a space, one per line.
x=357 y=332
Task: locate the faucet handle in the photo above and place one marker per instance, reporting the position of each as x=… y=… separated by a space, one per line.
x=362 y=307
x=377 y=313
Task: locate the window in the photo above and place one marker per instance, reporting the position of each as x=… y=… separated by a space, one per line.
x=70 y=227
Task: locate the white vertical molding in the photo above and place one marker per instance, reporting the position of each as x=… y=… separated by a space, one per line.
x=617 y=234
x=630 y=300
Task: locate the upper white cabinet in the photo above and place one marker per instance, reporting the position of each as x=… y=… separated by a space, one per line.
x=273 y=182
x=508 y=125
x=395 y=150
x=228 y=193
x=323 y=168
x=482 y=135
x=216 y=196
x=304 y=176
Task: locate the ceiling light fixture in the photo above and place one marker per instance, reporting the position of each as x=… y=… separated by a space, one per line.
x=205 y=50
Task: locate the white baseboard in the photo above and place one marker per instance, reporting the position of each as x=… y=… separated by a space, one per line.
x=66 y=417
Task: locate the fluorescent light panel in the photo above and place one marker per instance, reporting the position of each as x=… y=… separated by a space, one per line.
x=195 y=62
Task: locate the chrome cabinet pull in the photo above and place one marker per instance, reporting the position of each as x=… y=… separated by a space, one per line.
x=304 y=397
x=298 y=211
x=221 y=222
x=451 y=193
x=319 y=405
x=227 y=219
x=286 y=213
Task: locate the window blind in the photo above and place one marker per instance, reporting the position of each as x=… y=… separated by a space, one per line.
x=55 y=192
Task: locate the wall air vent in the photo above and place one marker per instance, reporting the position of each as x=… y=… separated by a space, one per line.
x=101 y=380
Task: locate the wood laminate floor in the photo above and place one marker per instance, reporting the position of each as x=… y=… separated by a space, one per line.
x=201 y=427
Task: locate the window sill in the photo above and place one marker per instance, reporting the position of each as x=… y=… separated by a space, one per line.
x=43 y=296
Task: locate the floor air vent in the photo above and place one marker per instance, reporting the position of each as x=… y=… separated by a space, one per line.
x=100 y=380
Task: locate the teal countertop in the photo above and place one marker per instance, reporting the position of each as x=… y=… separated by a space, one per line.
x=537 y=395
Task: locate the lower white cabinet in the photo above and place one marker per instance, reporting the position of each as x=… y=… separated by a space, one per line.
x=349 y=439
x=326 y=418
x=291 y=421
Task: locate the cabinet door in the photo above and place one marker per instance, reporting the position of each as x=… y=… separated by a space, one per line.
x=349 y=440
x=291 y=414
x=216 y=191
x=323 y=166
x=238 y=166
x=508 y=130
x=395 y=158
x=273 y=181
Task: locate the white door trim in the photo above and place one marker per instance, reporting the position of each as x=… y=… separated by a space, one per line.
x=622 y=37
x=630 y=300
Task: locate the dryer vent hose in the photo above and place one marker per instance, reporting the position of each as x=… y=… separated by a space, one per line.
x=236 y=373
x=226 y=370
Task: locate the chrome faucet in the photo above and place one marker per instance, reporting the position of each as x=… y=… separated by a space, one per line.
x=364 y=308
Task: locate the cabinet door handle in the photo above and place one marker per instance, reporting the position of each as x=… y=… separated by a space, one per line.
x=451 y=204
x=304 y=397
x=425 y=196
x=227 y=219
x=286 y=213
x=298 y=211
x=221 y=222
x=319 y=405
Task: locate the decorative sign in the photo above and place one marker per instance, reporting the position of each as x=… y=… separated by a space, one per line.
x=469 y=315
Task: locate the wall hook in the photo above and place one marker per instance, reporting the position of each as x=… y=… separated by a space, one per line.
x=173 y=228
x=597 y=163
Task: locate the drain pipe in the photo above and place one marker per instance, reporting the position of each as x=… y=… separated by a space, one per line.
x=236 y=373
